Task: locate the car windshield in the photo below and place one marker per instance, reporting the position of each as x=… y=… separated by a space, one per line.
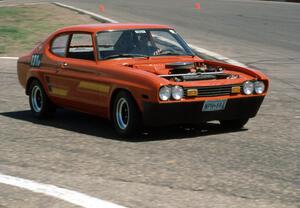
x=141 y=43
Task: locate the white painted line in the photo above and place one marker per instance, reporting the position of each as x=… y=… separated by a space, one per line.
x=209 y=53
x=70 y=196
x=92 y=14
x=217 y=56
x=11 y=58
x=196 y=48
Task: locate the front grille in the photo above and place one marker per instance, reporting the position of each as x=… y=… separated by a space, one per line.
x=211 y=91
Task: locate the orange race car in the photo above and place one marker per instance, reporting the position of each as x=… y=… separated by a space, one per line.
x=134 y=75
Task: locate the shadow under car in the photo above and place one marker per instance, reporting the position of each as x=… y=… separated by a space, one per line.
x=95 y=126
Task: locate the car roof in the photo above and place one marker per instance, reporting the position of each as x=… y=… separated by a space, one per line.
x=111 y=26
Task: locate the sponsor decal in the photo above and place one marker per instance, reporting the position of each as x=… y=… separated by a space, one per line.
x=36 y=60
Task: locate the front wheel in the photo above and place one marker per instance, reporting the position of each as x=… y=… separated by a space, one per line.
x=40 y=104
x=126 y=115
x=234 y=124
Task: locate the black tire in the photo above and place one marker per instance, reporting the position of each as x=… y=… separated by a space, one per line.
x=126 y=115
x=40 y=105
x=234 y=124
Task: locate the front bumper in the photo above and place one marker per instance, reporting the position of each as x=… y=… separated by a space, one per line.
x=156 y=114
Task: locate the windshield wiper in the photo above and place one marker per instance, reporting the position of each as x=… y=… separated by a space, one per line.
x=123 y=55
x=173 y=53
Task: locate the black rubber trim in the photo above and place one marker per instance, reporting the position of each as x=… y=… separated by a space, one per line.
x=155 y=114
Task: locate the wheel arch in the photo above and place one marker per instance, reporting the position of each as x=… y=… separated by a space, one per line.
x=114 y=93
x=29 y=81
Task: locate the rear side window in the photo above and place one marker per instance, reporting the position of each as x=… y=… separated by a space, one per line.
x=81 y=47
x=59 y=45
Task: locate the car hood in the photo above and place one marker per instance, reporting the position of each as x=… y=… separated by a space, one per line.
x=163 y=66
x=189 y=68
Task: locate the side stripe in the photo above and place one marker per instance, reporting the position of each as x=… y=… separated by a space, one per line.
x=58 y=91
x=103 y=88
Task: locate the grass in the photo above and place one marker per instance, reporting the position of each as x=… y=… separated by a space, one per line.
x=2 y=49
x=13 y=33
x=21 y=27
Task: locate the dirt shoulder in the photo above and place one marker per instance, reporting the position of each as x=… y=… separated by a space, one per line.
x=23 y=26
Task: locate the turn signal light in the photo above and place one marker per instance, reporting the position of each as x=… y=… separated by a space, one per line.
x=192 y=92
x=236 y=90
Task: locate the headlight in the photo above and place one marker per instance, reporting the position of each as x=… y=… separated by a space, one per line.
x=259 y=87
x=177 y=92
x=248 y=87
x=165 y=93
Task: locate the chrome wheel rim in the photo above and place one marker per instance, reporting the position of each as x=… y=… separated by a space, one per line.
x=36 y=99
x=122 y=113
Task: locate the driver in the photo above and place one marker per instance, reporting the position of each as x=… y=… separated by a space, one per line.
x=144 y=45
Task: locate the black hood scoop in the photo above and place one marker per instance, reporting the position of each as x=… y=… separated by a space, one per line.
x=180 y=67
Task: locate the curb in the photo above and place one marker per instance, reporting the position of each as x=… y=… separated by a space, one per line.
x=91 y=14
x=216 y=56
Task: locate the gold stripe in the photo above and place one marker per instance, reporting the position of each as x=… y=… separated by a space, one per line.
x=59 y=91
x=94 y=86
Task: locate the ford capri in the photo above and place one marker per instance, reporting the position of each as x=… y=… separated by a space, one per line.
x=137 y=75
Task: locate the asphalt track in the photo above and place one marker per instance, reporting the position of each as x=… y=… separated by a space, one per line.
x=256 y=167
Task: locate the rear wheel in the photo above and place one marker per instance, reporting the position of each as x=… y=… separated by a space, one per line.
x=234 y=124
x=126 y=115
x=40 y=104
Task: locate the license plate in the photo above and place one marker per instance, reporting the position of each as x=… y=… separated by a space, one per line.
x=214 y=105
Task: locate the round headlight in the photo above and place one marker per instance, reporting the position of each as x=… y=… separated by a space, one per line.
x=248 y=87
x=165 y=93
x=177 y=92
x=259 y=87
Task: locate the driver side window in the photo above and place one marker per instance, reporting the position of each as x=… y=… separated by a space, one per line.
x=81 y=47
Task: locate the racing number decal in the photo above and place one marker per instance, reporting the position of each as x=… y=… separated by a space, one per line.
x=36 y=60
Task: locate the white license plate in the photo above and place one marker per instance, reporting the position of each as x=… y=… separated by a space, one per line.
x=214 y=105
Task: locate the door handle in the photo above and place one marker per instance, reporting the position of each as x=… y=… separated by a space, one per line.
x=63 y=65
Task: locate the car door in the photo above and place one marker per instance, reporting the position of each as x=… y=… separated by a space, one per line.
x=76 y=80
x=54 y=56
